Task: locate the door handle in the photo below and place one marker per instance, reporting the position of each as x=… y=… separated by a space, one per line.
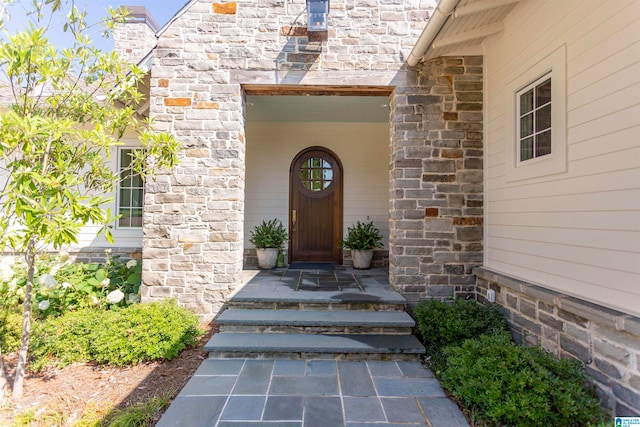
x=294 y=220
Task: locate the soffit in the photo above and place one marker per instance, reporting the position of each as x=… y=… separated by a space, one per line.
x=468 y=25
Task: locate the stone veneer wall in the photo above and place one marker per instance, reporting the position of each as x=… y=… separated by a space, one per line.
x=133 y=40
x=194 y=214
x=605 y=340
x=436 y=181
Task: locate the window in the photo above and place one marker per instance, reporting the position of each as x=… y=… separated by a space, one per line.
x=316 y=174
x=534 y=120
x=130 y=192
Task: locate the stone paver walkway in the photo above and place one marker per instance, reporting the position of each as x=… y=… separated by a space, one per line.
x=311 y=393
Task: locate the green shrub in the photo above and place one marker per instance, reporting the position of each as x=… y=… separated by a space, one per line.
x=127 y=336
x=443 y=323
x=505 y=384
x=61 y=285
x=10 y=330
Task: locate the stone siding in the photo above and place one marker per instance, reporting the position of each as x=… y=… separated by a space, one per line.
x=194 y=214
x=605 y=340
x=133 y=40
x=436 y=181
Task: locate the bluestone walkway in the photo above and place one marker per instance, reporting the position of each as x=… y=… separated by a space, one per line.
x=311 y=393
x=316 y=392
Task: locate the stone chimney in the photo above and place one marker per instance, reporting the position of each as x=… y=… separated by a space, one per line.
x=137 y=36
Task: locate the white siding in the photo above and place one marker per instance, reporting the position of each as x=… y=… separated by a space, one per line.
x=577 y=232
x=363 y=149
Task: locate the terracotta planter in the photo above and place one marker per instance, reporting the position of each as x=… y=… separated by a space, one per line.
x=362 y=259
x=267 y=258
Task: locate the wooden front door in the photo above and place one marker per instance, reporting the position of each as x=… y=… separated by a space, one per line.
x=315 y=199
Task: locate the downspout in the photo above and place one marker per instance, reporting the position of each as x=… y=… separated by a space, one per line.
x=431 y=30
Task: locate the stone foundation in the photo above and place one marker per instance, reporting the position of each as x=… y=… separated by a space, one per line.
x=605 y=340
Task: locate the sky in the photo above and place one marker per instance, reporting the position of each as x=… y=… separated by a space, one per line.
x=161 y=10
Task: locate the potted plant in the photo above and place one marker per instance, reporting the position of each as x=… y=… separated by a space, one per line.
x=268 y=238
x=362 y=238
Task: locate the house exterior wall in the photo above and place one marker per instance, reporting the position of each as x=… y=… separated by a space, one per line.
x=576 y=230
x=562 y=236
x=436 y=181
x=363 y=149
x=194 y=214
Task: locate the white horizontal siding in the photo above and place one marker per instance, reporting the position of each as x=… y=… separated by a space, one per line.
x=576 y=232
x=363 y=149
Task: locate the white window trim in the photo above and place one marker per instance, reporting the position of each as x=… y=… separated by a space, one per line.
x=117 y=198
x=552 y=66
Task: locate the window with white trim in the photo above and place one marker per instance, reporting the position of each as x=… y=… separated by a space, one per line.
x=534 y=120
x=130 y=192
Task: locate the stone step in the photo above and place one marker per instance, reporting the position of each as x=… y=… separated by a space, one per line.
x=318 y=300
x=315 y=322
x=299 y=346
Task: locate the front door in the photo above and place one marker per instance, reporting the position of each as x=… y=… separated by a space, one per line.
x=315 y=198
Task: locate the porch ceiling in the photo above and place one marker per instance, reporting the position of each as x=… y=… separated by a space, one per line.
x=367 y=109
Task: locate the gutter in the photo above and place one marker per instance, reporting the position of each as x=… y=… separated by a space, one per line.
x=434 y=25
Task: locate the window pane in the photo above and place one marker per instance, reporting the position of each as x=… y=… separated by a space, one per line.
x=136 y=181
x=125 y=198
x=543 y=93
x=526 y=102
x=526 y=125
x=125 y=218
x=136 y=198
x=543 y=143
x=316 y=186
x=125 y=158
x=543 y=118
x=306 y=185
x=328 y=175
x=317 y=174
x=316 y=163
x=526 y=149
x=304 y=174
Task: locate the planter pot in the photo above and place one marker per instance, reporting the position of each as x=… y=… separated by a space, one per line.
x=362 y=259
x=267 y=258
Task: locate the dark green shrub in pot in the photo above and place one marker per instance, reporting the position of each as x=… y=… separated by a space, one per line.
x=362 y=238
x=268 y=238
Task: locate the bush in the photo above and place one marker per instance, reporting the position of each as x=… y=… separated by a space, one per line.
x=138 y=333
x=10 y=330
x=61 y=286
x=505 y=384
x=442 y=323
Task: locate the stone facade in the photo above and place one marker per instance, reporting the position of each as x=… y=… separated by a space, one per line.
x=194 y=214
x=135 y=39
x=436 y=180
x=605 y=340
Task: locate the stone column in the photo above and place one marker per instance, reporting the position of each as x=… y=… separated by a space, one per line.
x=436 y=180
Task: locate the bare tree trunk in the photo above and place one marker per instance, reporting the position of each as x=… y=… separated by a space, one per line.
x=30 y=257
x=3 y=381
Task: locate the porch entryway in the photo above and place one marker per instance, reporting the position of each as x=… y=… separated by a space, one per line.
x=317 y=159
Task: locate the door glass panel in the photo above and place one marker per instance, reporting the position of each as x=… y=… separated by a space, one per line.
x=316 y=174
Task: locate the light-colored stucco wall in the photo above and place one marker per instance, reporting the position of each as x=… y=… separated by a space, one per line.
x=577 y=229
x=363 y=149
